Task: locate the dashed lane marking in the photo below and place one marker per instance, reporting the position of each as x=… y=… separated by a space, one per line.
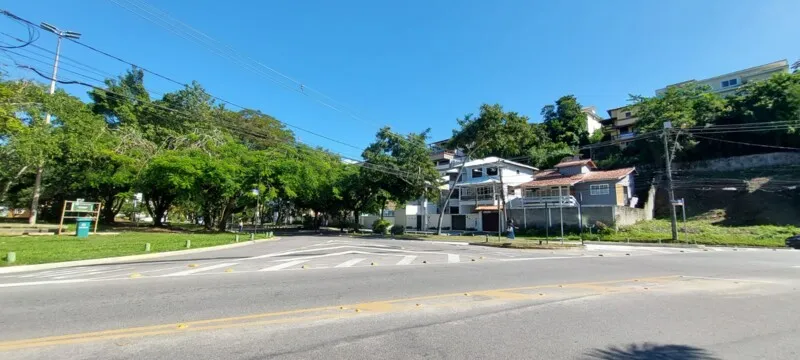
x=201 y=269
x=349 y=263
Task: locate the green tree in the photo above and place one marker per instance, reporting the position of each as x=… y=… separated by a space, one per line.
x=494 y=132
x=565 y=122
x=401 y=166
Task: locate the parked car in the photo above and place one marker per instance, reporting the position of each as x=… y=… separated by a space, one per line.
x=793 y=242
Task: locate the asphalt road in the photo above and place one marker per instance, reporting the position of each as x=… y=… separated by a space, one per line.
x=345 y=298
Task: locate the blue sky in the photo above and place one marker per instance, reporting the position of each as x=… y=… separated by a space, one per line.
x=421 y=64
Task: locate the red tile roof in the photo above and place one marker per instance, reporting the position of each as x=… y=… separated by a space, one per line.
x=588 y=162
x=554 y=178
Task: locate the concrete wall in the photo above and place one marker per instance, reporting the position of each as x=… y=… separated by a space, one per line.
x=366 y=221
x=742 y=162
x=610 y=215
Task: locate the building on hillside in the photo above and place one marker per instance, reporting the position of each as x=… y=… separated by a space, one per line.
x=476 y=199
x=593 y=120
x=727 y=84
x=621 y=122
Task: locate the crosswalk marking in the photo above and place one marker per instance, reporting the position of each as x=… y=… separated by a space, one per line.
x=91 y=273
x=206 y=268
x=408 y=259
x=54 y=272
x=453 y=258
x=349 y=263
x=283 y=266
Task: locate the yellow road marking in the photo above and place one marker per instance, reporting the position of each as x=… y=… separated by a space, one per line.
x=253 y=319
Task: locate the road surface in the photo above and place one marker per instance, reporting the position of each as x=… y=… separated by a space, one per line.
x=308 y=297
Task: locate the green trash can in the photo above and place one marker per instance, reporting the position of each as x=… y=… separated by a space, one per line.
x=82 y=227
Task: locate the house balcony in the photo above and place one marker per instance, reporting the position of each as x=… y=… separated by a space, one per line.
x=549 y=201
x=625 y=136
x=480 y=198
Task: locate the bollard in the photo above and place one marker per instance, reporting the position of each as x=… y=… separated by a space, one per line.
x=146 y=247
x=237 y=237
x=11 y=257
x=188 y=243
x=252 y=236
x=487 y=238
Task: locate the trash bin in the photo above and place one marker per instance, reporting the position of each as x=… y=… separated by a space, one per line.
x=83 y=225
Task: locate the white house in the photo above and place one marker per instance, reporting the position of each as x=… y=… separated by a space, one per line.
x=476 y=203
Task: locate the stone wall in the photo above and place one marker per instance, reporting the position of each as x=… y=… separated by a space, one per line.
x=741 y=162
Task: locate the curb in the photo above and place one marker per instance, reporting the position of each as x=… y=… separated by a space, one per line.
x=119 y=259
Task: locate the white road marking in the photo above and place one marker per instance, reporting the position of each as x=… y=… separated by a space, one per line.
x=406 y=260
x=49 y=273
x=545 y=258
x=726 y=279
x=91 y=273
x=349 y=263
x=283 y=266
x=326 y=255
x=453 y=258
x=205 y=268
x=46 y=282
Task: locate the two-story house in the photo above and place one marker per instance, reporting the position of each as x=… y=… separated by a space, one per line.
x=574 y=182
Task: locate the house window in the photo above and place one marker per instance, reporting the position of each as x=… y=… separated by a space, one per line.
x=455 y=193
x=484 y=193
x=599 y=189
x=476 y=173
x=492 y=171
x=555 y=192
x=529 y=193
x=627 y=114
x=511 y=191
x=731 y=82
x=454 y=210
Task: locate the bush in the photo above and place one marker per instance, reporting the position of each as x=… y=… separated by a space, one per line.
x=398 y=230
x=603 y=229
x=381 y=226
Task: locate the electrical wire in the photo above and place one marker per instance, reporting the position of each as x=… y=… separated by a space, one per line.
x=749 y=144
x=186 y=85
x=375 y=167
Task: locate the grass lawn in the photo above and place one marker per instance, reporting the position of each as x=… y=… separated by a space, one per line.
x=699 y=230
x=45 y=249
x=706 y=232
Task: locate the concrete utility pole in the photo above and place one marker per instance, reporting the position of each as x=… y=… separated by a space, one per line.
x=668 y=160
x=37 y=185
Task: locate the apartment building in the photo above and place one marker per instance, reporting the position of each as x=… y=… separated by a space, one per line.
x=727 y=84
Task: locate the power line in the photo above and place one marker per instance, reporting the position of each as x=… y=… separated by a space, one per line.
x=749 y=144
x=376 y=167
x=159 y=17
x=186 y=85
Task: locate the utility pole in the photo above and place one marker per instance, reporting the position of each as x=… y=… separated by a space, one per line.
x=668 y=160
x=502 y=196
x=37 y=185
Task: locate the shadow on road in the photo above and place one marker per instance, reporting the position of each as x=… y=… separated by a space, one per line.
x=651 y=351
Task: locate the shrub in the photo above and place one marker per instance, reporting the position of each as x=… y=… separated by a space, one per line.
x=398 y=230
x=381 y=226
x=603 y=229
